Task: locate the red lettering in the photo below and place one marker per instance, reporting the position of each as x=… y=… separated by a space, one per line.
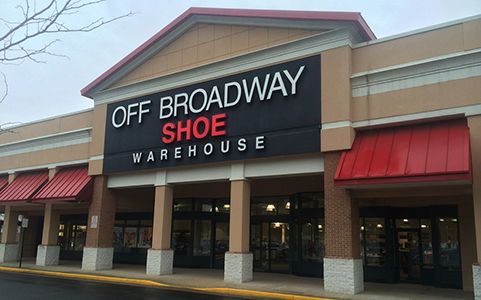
x=218 y=125
x=186 y=129
x=205 y=131
x=169 y=133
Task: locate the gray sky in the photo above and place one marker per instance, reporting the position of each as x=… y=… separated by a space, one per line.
x=38 y=91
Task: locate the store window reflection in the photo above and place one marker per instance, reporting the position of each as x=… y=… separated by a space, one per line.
x=312 y=239
x=448 y=242
x=202 y=237
x=181 y=237
x=373 y=237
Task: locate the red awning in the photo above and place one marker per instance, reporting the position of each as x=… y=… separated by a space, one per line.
x=3 y=182
x=24 y=186
x=67 y=184
x=419 y=153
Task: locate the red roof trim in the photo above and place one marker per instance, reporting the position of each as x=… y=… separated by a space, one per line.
x=67 y=184
x=429 y=152
x=23 y=187
x=256 y=13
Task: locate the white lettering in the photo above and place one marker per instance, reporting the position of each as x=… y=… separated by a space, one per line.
x=131 y=113
x=277 y=84
x=214 y=93
x=255 y=84
x=226 y=93
x=163 y=154
x=208 y=149
x=124 y=117
x=294 y=81
x=260 y=142
x=178 y=153
x=241 y=144
x=151 y=156
x=192 y=150
x=143 y=111
x=224 y=146
x=192 y=98
x=137 y=157
x=163 y=107
x=178 y=103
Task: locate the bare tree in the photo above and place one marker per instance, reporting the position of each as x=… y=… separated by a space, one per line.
x=37 y=28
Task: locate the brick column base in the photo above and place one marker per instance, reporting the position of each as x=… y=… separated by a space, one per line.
x=238 y=267
x=95 y=259
x=47 y=255
x=8 y=252
x=477 y=281
x=160 y=262
x=343 y=275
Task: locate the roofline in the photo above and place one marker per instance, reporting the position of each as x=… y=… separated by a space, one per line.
x=354 y=17
x=418 y=31
x=78 y=112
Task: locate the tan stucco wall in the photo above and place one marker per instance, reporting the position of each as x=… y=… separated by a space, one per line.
x=45 y=157
x=456 y=38
x=454 y=93
x=48 y=127
x=206 y=43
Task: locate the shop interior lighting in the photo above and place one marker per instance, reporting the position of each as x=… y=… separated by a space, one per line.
x=270 y=207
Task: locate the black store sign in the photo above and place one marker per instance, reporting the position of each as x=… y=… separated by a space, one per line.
x=266 y=112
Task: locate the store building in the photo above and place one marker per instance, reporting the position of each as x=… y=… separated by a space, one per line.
x=264 y=141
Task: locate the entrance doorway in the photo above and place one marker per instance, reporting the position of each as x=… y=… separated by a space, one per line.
x=270 y=245
x=409 y=256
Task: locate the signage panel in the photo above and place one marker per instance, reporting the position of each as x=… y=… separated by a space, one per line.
x=266 y=112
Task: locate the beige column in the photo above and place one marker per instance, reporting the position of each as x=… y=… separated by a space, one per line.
x=48 y=252
x=474 y=124
x=160 y=258
x=239 y=216
x=51 y=173
x=238 y=265
x=343 y=270
x=51 y=224
x=98 y=251
x=9 y=245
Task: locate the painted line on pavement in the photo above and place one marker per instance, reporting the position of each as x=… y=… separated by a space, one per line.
x=151 y=283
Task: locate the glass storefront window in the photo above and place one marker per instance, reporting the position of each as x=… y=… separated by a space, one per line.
x=202 y=237
x=270 y=206
x=312 y=200
x=181 y=237
x=426 y=243
x=145 y=237
x=374 y=241
x=118 y=240
x=146 y=223
x=79 y=234
x=407 y=223
x=448 y=242
x=130 y=237
x=203 y=205
x=312 y=239
x=182 y=205
x=222 y=206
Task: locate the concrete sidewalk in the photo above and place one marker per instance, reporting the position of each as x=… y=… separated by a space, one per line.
x=280 y=286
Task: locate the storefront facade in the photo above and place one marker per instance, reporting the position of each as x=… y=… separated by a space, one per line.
x=265 y=141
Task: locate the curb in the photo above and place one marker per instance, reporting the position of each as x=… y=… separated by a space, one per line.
x=151 y=283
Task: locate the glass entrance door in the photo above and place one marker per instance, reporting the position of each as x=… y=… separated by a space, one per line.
x=270 y=245
x=409 y=255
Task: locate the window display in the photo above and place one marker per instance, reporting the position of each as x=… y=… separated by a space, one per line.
x=118 y=241
x=313 y=239
x=130 y=237
x=374 y=241
x=145 y=238
x=448 y=242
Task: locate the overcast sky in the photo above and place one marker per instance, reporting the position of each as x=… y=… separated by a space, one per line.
x=38 y=91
